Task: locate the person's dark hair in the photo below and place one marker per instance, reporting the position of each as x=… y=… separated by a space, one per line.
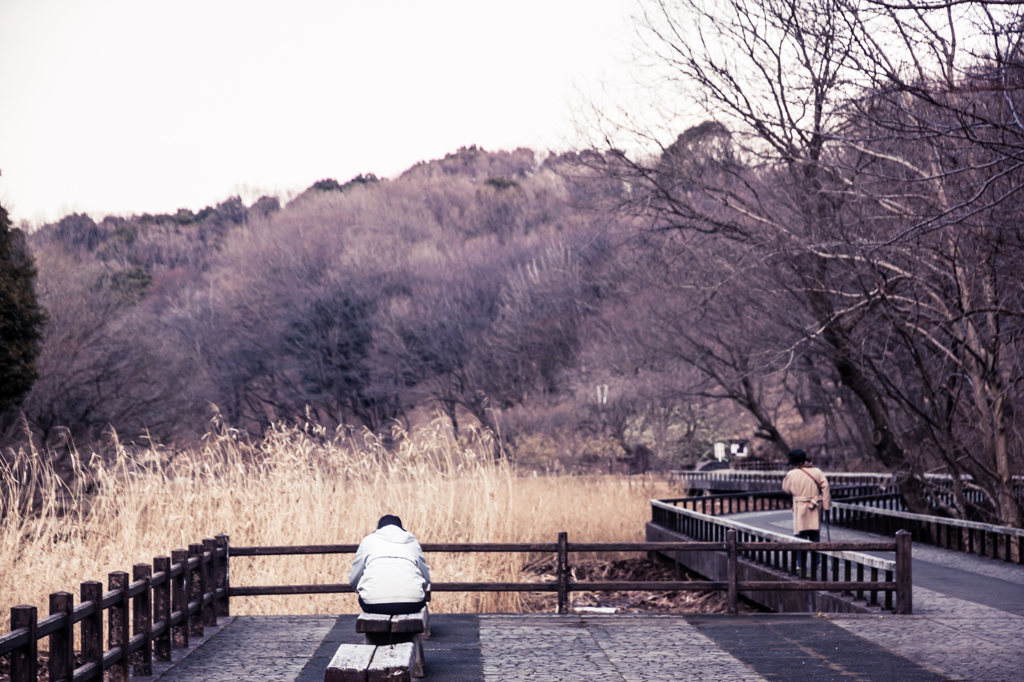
x=389 y=520
x=797 y=457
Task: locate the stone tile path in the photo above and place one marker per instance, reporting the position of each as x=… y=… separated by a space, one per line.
x=962 y=640
x=968 y=625
x=969 y=642
x=264 y=648
x=628 y=647
x=631 y=648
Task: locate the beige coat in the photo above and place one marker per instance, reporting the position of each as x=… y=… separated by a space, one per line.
x=809 y=489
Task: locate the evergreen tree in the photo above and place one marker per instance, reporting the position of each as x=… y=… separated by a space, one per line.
x=21 y=317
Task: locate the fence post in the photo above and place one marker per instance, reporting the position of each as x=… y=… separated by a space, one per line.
x=223 y=577
x=24 y=660
x=196 y=588
x=142 y=620
x=562 y=571
x=209 y=574
x=117 y=625
x=179 y=599
x=92 y=626
x=730 y=545
x=162 y=608
x=904 y=581
x=62 y=642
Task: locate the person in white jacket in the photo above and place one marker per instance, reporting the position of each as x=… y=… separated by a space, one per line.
x=389 y=571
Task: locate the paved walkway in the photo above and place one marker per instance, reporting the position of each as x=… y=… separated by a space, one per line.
x=628 y=647
x=638 y=648
x=968 y=625
x=265 y=648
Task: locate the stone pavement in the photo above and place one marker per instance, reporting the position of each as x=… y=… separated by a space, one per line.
x=968 y=624
x=962 y=640
x=267 y=648
x=536 y=648
x=964 y=644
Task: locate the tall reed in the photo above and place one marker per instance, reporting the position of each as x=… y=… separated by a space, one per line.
x=297 y=487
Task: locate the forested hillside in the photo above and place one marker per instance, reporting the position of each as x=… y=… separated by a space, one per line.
x=484 y=287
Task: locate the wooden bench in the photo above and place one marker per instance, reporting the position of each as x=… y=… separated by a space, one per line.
x=406 y=623
x=393 y=649
x=369 y=663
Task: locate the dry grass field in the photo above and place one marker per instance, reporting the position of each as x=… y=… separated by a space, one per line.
x=299 y=487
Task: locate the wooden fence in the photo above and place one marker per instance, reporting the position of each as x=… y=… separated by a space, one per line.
x=169 y=601
x=843 y=565
x=774 y=477
x=735 y=503
x=879 y=513
x=177 y=597
x=727 y=543
x=940 y=486
x=984 y=539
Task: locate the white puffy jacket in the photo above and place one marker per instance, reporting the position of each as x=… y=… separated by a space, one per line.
x=389 y=568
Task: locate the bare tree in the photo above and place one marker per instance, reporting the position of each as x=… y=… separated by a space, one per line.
x=932 y=156
x=96 y=373
x=817 y=179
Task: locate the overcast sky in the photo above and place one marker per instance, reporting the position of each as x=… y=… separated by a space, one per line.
x=131 y=107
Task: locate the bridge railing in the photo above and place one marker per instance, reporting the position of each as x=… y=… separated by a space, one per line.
x=843 y=565
x=940 y=485
x=878 y=516
x=758 y=465
x=729 y=475
x=735 y=503
x=169 y=601
x=861 y=507
x=893 y=501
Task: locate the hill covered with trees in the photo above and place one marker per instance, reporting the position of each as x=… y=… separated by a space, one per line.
x=475 y=287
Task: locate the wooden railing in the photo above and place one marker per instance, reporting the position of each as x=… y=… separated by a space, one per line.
x=881 y=514
x=729 y=475
x=985 y=539
x=736 y=503
x=843 y=565
x=939 y=496
x=893 y=501
x=757 y=465
x=169 y=601
x=562 y=585
x=727 y=541
x=176 y=597
x=940 y=485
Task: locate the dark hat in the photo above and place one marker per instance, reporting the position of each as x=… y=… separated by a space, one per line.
x=389 y=520
x=797 y=457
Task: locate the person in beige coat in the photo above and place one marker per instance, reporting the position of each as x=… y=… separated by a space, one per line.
x=809 y=489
